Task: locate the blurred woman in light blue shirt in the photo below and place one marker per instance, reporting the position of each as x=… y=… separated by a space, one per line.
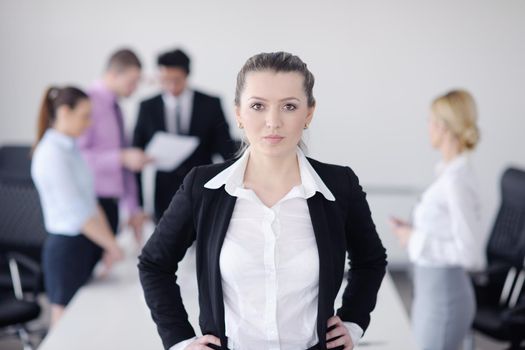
x=78 y=229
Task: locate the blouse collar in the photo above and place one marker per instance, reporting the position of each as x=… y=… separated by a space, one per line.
x=232 y=178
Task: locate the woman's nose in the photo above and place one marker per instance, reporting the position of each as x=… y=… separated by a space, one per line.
x=273 y=118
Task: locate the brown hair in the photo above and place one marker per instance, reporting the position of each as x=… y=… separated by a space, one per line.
x=276 y=62
x=457 y=109
x=122 y=59
x=55 y=97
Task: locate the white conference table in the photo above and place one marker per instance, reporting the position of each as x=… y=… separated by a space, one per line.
x=111 y=313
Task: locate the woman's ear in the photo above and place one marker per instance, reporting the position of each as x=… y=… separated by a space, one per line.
x=443 y=127
x=238 y=115
x=62 y=111
x=310 y=115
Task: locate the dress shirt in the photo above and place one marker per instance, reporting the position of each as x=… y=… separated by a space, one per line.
x=101 y=146
x=270 y=265
x=64 y=184
x=184 y=103
x=447 y=220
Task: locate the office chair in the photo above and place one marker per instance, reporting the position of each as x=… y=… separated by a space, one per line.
x=16 y=309
x=21 y=221
x=15 y=161
x=22 y=236
x=500 y=289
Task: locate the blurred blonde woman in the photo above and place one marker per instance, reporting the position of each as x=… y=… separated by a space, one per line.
x=444 y=240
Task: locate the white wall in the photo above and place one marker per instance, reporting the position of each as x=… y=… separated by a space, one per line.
x=378 y=64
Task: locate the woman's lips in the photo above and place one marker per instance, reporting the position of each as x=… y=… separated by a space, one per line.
x=273 y=139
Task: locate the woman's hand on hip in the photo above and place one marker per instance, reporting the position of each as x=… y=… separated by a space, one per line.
x=202 y=343
x=339 y=335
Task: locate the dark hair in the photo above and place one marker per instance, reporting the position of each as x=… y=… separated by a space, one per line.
x=175 y=59
x=55 y=97
x=276 y=62
x=123 y=59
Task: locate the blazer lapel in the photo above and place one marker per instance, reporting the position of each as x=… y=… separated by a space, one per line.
x=220 y=206
x=316 y=206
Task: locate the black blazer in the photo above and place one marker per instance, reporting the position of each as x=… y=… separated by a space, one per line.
x=203 y=215
x=207 y=122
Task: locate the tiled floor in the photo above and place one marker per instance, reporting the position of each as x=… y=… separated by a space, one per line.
x=401 y=279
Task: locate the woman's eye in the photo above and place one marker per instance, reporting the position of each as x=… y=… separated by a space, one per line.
x=256 y=106
x=290 y=107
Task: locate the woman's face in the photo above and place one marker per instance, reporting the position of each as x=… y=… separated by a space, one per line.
x=273 y=111
x=126 y=81
x=436 y=130
x=76 y=120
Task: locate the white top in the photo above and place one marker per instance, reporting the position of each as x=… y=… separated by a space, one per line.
x=447 y=221
x=270 y=265
x=184 y=102
x=64 y=183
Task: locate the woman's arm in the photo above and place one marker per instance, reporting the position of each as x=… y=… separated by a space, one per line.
x=367 y=258
x=58 y=185
x=97 y=229
x=465 y=246
x=158 y=264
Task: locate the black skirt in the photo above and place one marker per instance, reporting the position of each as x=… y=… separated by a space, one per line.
x=68 y=262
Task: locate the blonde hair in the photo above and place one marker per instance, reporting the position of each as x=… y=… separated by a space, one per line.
x=457 y=109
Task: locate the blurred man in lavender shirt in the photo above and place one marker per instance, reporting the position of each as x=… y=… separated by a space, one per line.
x=105 y=147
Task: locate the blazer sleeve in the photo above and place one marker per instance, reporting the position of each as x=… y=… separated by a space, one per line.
x=222 y=142
x=158 y=264
x=367 y=258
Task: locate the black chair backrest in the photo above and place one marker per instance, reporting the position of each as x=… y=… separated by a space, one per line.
x=506 y=244
x=21 y=221
x=15 y=161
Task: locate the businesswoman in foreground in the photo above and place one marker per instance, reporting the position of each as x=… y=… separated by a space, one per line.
x=444 y=240
x=272 y=230
x=77 y=227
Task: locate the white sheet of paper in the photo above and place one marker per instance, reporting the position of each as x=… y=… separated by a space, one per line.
x=169 y=151
x=148 y=188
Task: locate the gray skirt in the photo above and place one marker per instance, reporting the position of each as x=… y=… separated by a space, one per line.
x=443 y=308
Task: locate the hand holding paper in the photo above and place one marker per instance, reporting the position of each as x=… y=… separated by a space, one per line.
x=169 y=151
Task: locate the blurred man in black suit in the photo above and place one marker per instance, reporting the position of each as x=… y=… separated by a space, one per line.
x=183 y=111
